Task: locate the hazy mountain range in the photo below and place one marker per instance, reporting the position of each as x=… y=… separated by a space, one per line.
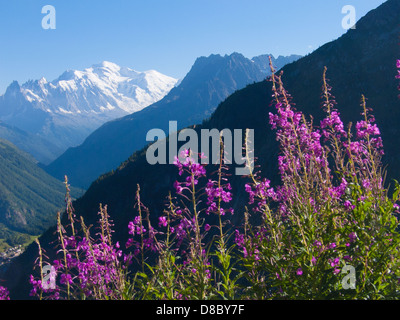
x=210 y=80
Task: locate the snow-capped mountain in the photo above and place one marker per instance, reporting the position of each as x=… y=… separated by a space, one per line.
x=66 y=110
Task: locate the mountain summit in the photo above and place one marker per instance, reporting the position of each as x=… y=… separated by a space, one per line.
x=105 y=87
x=66 y=110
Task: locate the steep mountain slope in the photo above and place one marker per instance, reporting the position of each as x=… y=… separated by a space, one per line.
x=29 y=197
x=363 y=61
x=41 y=149
x=68 y=109
x=210 y=81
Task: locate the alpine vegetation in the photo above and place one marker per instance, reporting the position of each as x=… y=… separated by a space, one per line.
x=329 y=230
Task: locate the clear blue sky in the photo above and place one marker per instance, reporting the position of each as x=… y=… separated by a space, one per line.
x=166 y=35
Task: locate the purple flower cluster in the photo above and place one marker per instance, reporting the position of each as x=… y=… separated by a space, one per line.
x=250 y=247
x=300 y=143
x=4 y=294
x=333 y=122
x=99 y=267
x=136 y=228
x=364 y=128
x=187 y=163
x=217 y=193
x=183 y=228
x=338 y=192
x=261 y=190
x=398 y=71
x=287 y=123
x=87 y=267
